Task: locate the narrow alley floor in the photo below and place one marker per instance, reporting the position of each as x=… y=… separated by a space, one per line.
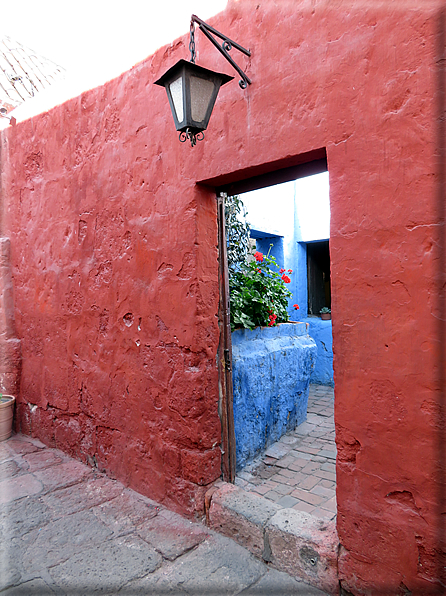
x=69 y=530
x=298 y=471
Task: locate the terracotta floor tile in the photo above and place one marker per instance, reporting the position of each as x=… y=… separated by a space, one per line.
x=302 y=506
x=299 y=470
x=308 y=497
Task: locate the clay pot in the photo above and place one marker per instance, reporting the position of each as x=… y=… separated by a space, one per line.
x=6 y=415
x=325 y=316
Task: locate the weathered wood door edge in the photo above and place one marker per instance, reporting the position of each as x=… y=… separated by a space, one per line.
x=225 y=356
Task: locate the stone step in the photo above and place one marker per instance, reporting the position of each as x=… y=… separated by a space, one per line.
x=298 y=543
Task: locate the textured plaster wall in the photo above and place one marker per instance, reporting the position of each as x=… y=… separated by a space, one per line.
x=321 y=332
x=108 y=226
x=271 y=375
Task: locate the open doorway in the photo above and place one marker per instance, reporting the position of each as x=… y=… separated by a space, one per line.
x=299 y=470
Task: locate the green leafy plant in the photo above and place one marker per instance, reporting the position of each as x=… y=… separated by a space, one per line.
x=258 y=294
x=325 y=310
x=237 y=232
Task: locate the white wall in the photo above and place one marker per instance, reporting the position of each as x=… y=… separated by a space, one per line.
x=272 y=209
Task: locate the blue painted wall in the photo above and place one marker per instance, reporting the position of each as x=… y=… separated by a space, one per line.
x=272 y=367
x=321 y=332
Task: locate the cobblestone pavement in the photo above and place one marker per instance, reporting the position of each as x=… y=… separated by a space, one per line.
x=298 y=471
x=67 y=529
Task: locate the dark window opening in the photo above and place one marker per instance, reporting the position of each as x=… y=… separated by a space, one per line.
x=318 y=276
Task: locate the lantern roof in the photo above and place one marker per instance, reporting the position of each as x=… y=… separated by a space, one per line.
x=205 y=72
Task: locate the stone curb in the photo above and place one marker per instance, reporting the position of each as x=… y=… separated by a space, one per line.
x=298 y=543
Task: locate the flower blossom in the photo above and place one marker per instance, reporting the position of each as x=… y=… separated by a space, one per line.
x=259 y=256
x=282 y=270
x=285 y=279
x=289 y=271
x=296 y=307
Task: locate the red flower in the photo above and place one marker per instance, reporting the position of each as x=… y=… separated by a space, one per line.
x=271 y=323
x=259 y=256
x=282 y=270
x=285 y=279
x=289 y=271
x=296 y=307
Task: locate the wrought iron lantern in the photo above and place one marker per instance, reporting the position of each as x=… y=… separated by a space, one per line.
x=192 y=90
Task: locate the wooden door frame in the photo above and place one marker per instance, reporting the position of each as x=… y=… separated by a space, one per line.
x=225 y=353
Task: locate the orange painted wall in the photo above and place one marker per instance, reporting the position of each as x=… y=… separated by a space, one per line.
x=115 y=264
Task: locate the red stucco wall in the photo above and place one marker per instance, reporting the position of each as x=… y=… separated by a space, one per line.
x=115 y=265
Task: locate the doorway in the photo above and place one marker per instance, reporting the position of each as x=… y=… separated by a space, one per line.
x=286 y=248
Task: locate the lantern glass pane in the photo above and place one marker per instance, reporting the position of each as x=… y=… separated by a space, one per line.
x=176 y=89
x=201 y=94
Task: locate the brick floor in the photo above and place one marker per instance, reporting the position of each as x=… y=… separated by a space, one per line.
x=299 y=470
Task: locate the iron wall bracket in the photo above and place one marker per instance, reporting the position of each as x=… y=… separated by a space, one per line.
x=224 y=49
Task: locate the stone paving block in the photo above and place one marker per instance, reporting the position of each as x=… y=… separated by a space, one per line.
x=302 y=506
x=287 y=501
x=284 y=462
x=19 y=517
x=241 y=516
x=309 y=482
x=272 y=496
x=330 y=505
x=323 y=513
x=304 y=547
x=328 y=467
x=171 y=535
x=269 y=460
x=327 y=483
x=325 y=475
x=261 y=490
x=83 y=495
x=322 y=491
x=277 y=450
x=278 y=479
x=217 y=567
x=59 y=540
x=304 y=428
x=64 y=474
x=245 y=475
x=284 y=489
x=35 y=586
x=44 y=458
x=296 y=478
x=327 y=453
x=107 y=567
x=313 y=419
x=304 y=495
x=278 y=583
x=5 y=454
x=295 y=467
x=18 y=487
x=288 y=440
x=10 y=572
x=284 y=472
x=311 y=468
x=20 y=445
x=125 y=512
x=300 y=455
x=8 y=469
